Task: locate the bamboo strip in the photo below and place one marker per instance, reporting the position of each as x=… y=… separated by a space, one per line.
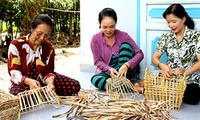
x=97 y=107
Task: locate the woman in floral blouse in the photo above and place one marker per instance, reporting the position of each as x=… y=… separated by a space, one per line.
x=31 y=61
x=182 y=45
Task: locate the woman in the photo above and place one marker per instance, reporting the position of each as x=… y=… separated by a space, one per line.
x=183 y=50
x=115 y=52
x=31 y=61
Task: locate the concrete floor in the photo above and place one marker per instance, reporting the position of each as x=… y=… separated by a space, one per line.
x=187 y=112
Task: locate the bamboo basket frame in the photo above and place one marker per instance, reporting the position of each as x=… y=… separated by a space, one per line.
x=9 y=106
x=120 y=88
x=33 y=99
x=159 y=88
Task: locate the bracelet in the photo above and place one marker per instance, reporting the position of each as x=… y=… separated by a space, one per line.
x=126 y=65
x=159 y=64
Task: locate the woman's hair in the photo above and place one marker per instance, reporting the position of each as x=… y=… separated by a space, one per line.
x=107 y=12
x=41 y=19
x=179 y=11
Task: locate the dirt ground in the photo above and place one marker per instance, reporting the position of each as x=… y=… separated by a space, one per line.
x=67 y=61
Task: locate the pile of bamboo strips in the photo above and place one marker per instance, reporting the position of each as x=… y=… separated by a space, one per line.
x=94 y=106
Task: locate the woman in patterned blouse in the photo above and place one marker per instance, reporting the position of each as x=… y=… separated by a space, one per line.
x=31 y=61
x=182 y=45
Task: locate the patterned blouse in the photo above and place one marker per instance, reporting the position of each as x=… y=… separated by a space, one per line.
x=183 y=54
x=21 y=58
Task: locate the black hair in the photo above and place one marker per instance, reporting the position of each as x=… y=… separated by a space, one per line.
x=179 y=11
x=107 y=12
x=40 y=19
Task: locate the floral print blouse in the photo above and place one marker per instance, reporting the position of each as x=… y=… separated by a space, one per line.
x=181 y=55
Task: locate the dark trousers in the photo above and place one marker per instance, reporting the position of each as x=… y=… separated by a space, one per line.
x=64 y=85
x=192 y=94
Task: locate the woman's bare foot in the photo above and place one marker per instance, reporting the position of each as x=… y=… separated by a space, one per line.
x=139 y=88
x=141 y=83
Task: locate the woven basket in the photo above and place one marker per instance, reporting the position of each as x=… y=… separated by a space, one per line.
x=120 y=88
x=37 y=98
x=9 y=106
x=170 y=90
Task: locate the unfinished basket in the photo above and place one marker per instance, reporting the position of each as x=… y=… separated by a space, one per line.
x=37 y=98
x=9 y=106
x=120 y=88
x=170 y=90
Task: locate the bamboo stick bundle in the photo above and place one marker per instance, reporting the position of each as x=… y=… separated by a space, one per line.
x=98 y=108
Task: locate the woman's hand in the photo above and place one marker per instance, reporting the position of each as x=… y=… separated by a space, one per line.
x=123 y=70
x=52 y=87
x=50 y=83
x=113 y=73
x=32 y=83
x=179 y=71
x=166 y=70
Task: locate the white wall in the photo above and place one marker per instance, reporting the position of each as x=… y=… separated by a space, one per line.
x=126 y=12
